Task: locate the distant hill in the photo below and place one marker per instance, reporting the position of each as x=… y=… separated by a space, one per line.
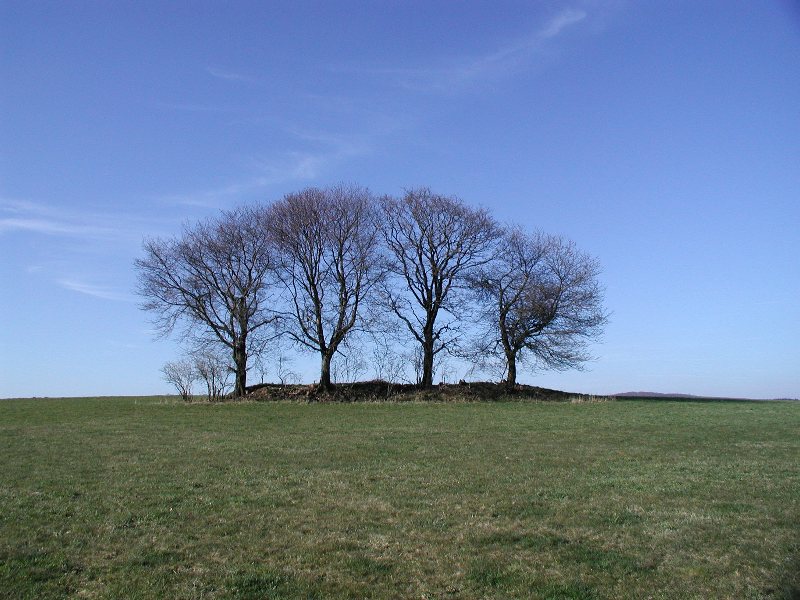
x=653 y=395
x=686 y=396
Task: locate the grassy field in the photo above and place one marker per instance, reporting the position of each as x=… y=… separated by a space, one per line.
x=148 y=498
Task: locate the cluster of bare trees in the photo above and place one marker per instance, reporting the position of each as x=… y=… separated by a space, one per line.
x=202 y=365
x=327 y=269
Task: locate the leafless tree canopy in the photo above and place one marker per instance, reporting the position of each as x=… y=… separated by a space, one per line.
x=213 y=370
x=328 y=269
x=181 y=374
x=432 y=243
x=542 y=303
x=328 y=245
x=216 y=275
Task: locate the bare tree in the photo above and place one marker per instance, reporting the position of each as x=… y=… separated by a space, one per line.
x=260 y=366
x=214 y=280
x=283 y=369
x=182 y=375
x=328 y=243
x=388 y=362
x=542 y=303
x=433 y=242
x=348 y=366
x=213 y=370
x=414 y=357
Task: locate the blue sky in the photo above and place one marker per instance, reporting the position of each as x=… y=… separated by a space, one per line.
x=663 y=137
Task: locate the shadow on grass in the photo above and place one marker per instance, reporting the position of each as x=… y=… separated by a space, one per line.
x=568 y=551
x=789 y=587
x=566 y=591
x=269 y=585
x=492 y=577
x=43 y=573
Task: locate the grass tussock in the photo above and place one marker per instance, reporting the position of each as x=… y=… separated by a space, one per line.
x=142 y=498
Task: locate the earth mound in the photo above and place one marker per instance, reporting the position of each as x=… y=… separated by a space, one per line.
x=378 y=391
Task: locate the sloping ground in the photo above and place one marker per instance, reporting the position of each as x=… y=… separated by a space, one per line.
x=377 y=391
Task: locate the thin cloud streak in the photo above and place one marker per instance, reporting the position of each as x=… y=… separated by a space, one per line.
x=494 y=64
x=294 y=166
x=47 y=227
x=510 y=56
x=96 y=291
x=194 y=108
x=291 y=166
x=23 y=216
x=561 y=21
x=229 y=75
x=41 y=219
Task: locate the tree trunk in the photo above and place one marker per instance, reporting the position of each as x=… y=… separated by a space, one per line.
x=240 y=361
x=508 y=350
x=325 y=372
x=427 y=365
x=511 y=376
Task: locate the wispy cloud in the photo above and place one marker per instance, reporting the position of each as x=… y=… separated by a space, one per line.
x=74 y=247
x=511 y=55
x=229 y=75
x=213 y=198
x=194 y=108
x=324 y=152
x=48 y=227
x=291 y=166
x=37 y=218
x=497 y=63
x=560 y=22
x=90 y=231
x=96 y=291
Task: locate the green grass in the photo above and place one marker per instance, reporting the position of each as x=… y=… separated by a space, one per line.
x=148 y=497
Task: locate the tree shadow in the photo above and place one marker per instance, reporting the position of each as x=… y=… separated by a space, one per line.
x=789 y=586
